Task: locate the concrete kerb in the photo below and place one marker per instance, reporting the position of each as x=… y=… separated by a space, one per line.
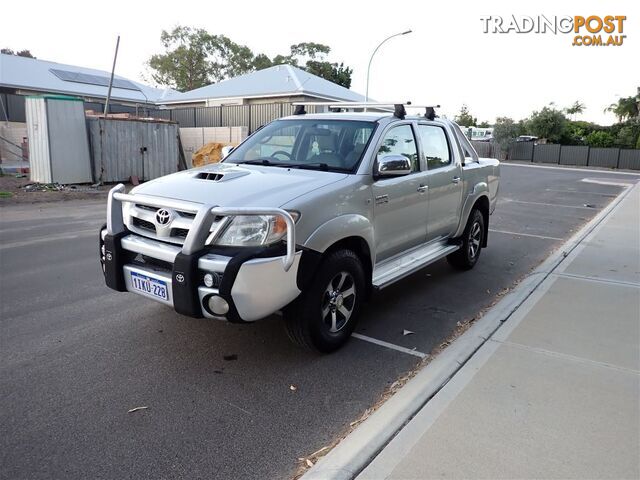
x=359 y=448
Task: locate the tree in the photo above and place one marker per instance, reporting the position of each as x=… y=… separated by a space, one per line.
x=310 y=49
x=185 y=65
x=261 y=61
x=194 y=58
x=575 y=109
x=505 y=131
x=21 y=53
x=464 y=118
x=548 y=123
x=600 y=139
x=576 y=132
x=484 y=124
x=331 y=71
x=311 y=57
x=626 y=107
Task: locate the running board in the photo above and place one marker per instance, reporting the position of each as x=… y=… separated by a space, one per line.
x=396 y=268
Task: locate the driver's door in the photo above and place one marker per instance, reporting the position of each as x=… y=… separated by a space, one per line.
x=400 y=203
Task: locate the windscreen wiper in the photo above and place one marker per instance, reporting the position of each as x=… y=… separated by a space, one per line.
x=302 y=166
x=261 y=161
x=305 y=166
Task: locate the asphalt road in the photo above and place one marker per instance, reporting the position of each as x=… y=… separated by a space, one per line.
x=76 y=356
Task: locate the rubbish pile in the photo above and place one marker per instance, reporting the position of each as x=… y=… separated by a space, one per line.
x=55 y=187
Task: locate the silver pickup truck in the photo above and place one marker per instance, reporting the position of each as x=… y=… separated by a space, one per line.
x=306 y=217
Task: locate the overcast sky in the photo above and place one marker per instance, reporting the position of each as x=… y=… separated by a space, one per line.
x=446 y=60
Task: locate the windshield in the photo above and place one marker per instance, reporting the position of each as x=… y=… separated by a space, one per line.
x=332 y=145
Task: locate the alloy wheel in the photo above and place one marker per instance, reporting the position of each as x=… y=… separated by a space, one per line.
x=338 y=301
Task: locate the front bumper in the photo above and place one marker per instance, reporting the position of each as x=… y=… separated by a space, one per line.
x=254 y=282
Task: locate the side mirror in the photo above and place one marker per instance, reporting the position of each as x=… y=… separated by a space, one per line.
x=393 y=166
x=226 y=151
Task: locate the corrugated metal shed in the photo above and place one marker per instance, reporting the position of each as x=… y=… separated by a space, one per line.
x=125 y=147
x=58 y=139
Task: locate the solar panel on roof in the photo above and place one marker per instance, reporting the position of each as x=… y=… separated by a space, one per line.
x=89 y=79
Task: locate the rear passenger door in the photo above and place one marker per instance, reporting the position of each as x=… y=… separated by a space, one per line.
x=400 y=203
x=444 y=179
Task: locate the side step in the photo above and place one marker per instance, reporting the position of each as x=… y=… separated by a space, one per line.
x=398 y=267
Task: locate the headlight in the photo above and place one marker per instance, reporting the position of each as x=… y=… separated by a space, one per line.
x=254 y=230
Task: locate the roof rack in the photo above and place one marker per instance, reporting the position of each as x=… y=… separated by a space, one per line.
x=399 y=110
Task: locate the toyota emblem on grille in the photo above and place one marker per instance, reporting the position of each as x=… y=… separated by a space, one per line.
x=163 y=217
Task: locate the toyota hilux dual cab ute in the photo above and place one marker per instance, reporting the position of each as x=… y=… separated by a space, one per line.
x=305 y=217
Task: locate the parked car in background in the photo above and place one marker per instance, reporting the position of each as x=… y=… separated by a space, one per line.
x=526 y=138
x=481 y=134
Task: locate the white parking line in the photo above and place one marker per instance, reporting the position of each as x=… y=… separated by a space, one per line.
x=585 y=192
x=598 y=181
x=392 y=346
x=50 y=238
x=509 y=200
x=544 y=237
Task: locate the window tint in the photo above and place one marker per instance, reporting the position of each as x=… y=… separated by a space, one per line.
x=435 y=146
x=400 y=141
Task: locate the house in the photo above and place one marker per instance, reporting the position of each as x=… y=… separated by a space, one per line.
x=277 y=84
x=20 y=76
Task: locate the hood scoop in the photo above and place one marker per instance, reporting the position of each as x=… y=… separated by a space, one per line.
x=220 y=177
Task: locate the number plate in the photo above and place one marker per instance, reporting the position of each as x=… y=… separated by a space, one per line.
x=150 y=286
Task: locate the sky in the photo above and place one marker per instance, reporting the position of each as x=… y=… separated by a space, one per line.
x=447 y=60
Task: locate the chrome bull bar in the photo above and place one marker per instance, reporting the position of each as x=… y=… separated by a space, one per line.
x=200 y=230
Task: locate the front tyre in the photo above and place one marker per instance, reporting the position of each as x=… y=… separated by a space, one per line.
x=467 y=256
x=323 y=317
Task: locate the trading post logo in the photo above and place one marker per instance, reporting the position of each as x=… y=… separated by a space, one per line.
x=593 y=30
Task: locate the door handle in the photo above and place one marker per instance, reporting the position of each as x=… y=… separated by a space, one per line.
x=423 y=188
x=455 y=179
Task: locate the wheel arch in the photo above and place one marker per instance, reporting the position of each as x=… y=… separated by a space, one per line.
x=483 y=205
x=352 y=232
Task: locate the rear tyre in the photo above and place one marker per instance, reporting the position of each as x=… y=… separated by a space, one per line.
x=467 y=256
x=323 y=317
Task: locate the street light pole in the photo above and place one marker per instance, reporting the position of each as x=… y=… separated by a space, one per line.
x=366 y=98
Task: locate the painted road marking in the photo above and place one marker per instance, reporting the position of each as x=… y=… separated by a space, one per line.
x=544 y=237
x=50 y=238
x=392 y=346
x=510 y=200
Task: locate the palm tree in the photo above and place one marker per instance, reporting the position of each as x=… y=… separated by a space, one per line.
x=575 y=109
x=626 y=107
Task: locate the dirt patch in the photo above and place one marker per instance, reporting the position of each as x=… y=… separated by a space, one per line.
x=16 y=189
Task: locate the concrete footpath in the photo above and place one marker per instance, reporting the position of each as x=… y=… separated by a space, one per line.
x=555 y=391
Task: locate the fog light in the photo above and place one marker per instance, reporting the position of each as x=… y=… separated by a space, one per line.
x=218 y=305
x=208 y=280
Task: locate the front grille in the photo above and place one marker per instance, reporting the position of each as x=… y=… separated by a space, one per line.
x=179 y=232
x=152 y=263
x=146 y=207
x=141 y=220
x=143 y=224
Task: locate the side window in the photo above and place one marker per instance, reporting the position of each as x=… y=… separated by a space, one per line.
x=400 y=141
x=435 y=146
